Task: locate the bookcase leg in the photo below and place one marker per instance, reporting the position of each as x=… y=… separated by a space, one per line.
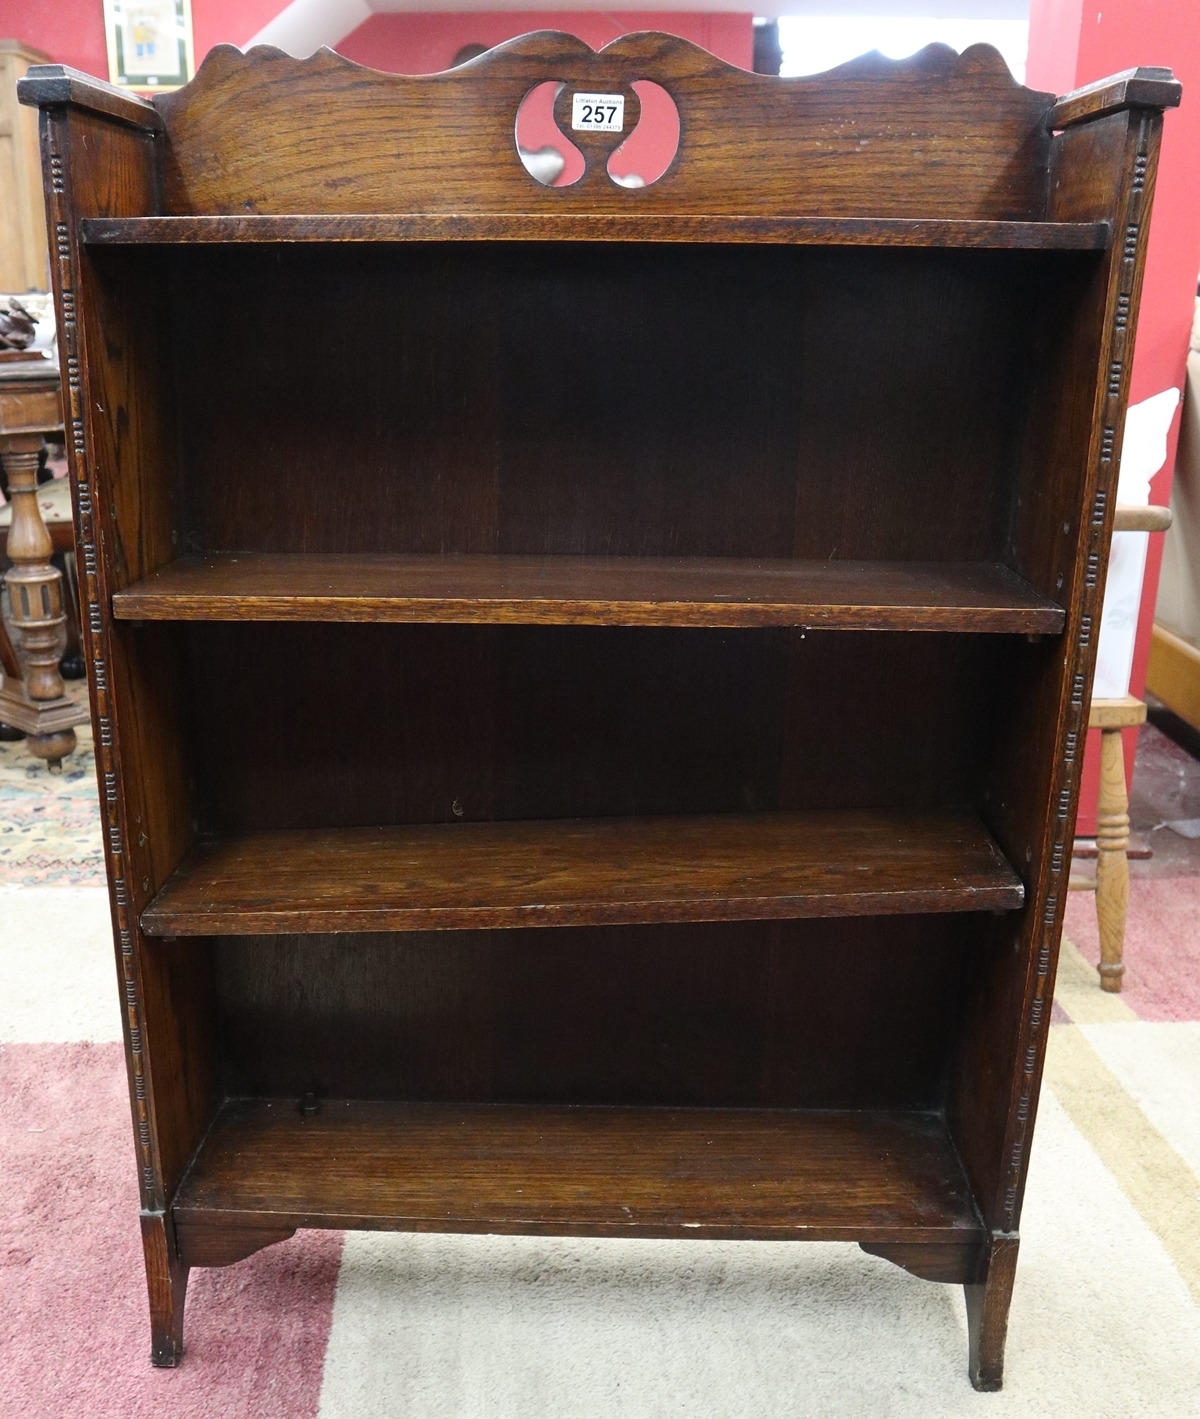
x=166 y=1279
x=987 y=1313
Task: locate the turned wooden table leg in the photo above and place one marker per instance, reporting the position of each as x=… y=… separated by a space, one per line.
x=10 y=666
x=1112 y=864
x=35 y=593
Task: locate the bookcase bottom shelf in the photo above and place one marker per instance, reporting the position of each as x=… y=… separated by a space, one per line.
x=872 y=1177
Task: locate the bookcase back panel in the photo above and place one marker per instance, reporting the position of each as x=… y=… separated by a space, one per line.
x=577 y=399
x=853 y=1013
x=938 y=134
x=444 y=722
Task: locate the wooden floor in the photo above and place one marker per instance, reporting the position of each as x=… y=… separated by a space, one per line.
x=648 y=1172
x=586 y=872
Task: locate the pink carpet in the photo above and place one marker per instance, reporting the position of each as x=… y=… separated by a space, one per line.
x=74 y=1333
x=1162 y=945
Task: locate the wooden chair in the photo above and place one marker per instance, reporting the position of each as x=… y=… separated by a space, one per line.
x=1110 y=717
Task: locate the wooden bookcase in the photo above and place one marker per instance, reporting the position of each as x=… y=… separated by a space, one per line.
x=590 y=683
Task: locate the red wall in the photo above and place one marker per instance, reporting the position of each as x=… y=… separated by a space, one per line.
x=69 y=31
x=426 y=43
x=229 y=21
x=1053 y=58
x=72 y=31
x=1074 y=42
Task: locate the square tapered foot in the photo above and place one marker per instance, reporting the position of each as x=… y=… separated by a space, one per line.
x=987 y=1313
x=166 y=1280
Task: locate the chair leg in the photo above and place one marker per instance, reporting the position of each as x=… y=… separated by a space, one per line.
x=1112 y=864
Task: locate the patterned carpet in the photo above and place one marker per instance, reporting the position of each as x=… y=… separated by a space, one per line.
x=1105 y=1318
x=50 y=823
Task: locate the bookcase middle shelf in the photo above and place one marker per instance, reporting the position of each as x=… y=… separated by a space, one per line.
x=573 y=590
x=585 y=872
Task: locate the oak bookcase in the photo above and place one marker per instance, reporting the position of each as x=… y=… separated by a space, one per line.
x=590 y=683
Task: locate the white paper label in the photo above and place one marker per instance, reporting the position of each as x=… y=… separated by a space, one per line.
x=598 y=113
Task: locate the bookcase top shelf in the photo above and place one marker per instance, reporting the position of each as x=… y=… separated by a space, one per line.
x=615 y=591
x=732 y=228
x=586 y=872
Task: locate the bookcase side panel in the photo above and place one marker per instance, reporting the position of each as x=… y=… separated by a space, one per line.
x=122 y=465
x=1060 y=540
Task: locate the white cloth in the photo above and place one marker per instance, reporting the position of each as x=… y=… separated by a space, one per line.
x=1143 y=453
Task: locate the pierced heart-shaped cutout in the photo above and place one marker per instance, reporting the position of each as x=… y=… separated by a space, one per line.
x=548 y=155
x=650 y=149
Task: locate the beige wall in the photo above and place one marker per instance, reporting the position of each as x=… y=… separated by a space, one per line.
x=1178 y=606
x=24 y=260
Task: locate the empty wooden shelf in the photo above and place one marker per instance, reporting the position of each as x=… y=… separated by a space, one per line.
x=586 y=872
x=593 y=226
x=770 y=1173
x=590 y=682
x=591 y=591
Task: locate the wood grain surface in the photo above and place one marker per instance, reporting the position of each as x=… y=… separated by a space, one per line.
x=597 y=226
x=699 y=400
x=579 y=872
x=591 y=591
x=535 y=722
x=1102 y=168
x=870 y=324
x=581 y=1171
x=58 y=85
x=333 y=137
x=825 y=1013
x=1148 y=87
